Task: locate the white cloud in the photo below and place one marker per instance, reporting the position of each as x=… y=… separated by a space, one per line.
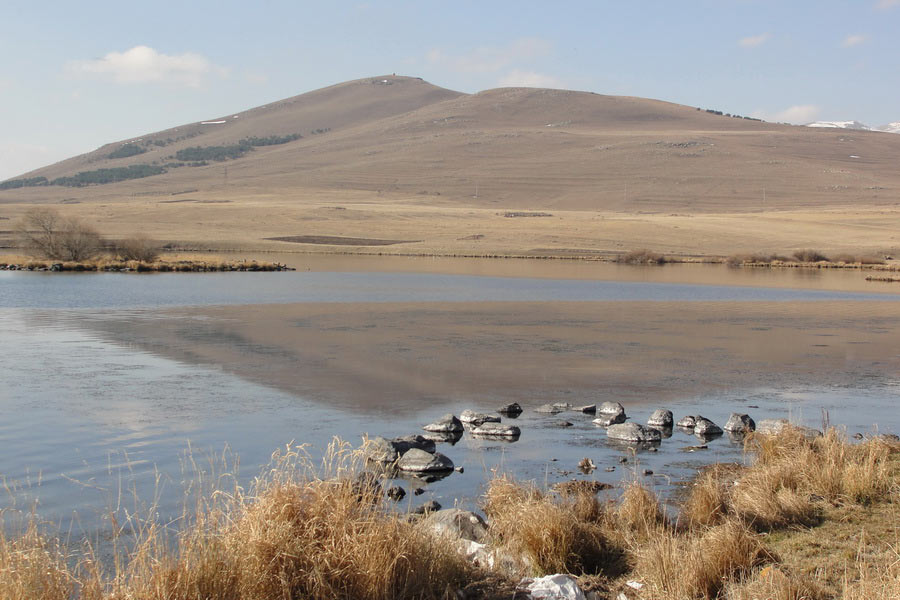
x=491 y=59
x=887 y=4
x=800 y=114
x=143 y=64
x=521 y=78
x=754 y=40
x=853 y=40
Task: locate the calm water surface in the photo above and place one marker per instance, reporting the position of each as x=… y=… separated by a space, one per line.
x=87 y=418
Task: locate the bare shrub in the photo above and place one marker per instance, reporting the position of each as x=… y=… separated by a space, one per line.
x=44 y=232
x=138 y=247
x=642 y=257
x=809 y=255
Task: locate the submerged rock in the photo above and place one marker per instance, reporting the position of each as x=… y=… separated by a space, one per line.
x=470 y=417
x=446 y=424
x=444 y=437
x=556 y=407
x=740 y=423
x=778 y=426
x=396 y=493
x=419 y=461
x=632 y=432
x=589 y=409
x=429 y=507
x=660 y=418
x=497 y=429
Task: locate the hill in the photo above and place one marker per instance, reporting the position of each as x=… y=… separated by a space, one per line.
x=397 y=158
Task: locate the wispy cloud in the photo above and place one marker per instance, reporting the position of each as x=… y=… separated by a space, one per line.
x=143 y=64
x=799 y=114
x=754 y=40
x=490 y=59
x=523 y=78
x=854 y=40
x=886 y=4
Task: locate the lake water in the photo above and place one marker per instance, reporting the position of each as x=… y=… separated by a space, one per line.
x=109 y=380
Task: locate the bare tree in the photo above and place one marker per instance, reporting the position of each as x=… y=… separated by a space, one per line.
x=46 y=233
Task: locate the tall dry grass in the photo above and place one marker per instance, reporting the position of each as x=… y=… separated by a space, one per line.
x=299 y=532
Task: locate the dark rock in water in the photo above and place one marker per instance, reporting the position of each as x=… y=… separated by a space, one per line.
x=741 y=423
x=510 y=409
x=857 y=436
x=623 y=459
x=396 y=493
x=408 y=442
x=562 y=424
x=419 y=461
x=470 y=417
x=589 y=409
x=418 y=491
x=552 y=409
x=447 y=437
x=446 y=424
x=695 y=448
x=778 y=426
x=687 y=422
x=457 y=523
x=648 y=472
x=706 y=428
x=56 y=267
x=429 y=507
x=611 y=408
x=660 y=418
x=497 y=430
x=632 y=432
x=607 y=420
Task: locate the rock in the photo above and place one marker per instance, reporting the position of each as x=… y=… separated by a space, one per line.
x=607 y=420
x=556 y=407
x=497 y=430
x=857 y=436
x=632 y=432
x=418 y=491
x=419 y=461
x=458 y=523
x=446 y=437
x=695 y=448
x=586 y=465
x=446 y=424
x=740 y=423
x=660 y=418
x=562 y=424
x=396 y=493
x=385 y=450
x=470 y=417
x=777 y=427
x=623 y=460
x=706 y=428
x=510 y=409
x=460 y=469
x=408 y=442
x=687 y=422
x=589 y=409
x=611 y=408
x=554 y=587
x=429 y=507
x=648 y=472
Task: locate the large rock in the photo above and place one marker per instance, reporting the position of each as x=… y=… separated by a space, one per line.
x=633 y=432
x=444 y=437
x=660 y=418
x=470 y=417
x=611 y=408
x=458 y=523
x=419 y=461
x=607 y=420
x=740 y=423
x=385 y=450
x=555 y=587
x=587 y=409
x=497 y=429
x=687 y=422
x=446 y=424
x=556 y=407
x=706 y=428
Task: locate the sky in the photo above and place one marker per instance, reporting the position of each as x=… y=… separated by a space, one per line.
x=77 y=75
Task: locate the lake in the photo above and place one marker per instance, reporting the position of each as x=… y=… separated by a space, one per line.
x=121 y=383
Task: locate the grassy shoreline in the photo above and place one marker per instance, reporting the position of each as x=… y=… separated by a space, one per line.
x=169 y=264
x=805 y=518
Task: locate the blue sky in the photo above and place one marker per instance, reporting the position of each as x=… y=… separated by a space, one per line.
x=76 y=75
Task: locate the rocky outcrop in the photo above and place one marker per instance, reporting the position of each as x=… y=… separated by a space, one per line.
x=510 y=409
x=660 y=418
x=446 y=424
x=632 y=432
x=419 y=461
x=384 y=450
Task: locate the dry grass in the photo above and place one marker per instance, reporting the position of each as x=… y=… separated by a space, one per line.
x=774 y=583
x=33 y=567
x=168 y=264
x=642 y=257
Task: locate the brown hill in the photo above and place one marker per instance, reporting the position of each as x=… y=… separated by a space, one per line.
x=392 y=143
